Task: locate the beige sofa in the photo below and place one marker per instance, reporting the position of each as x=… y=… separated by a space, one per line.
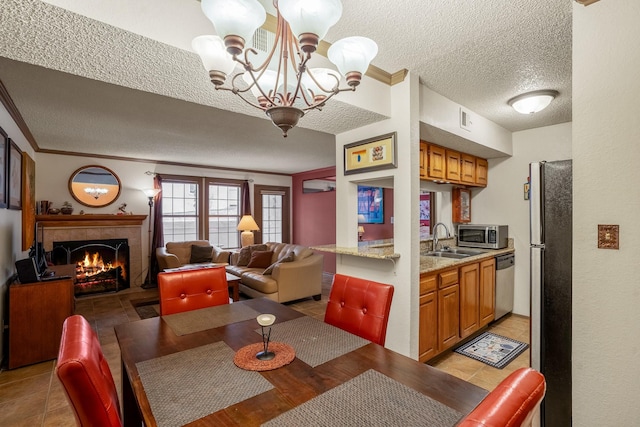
x=287 y=281
x=179 y=254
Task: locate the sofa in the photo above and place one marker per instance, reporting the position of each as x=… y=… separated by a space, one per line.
x=281 y=272
x=191 y=253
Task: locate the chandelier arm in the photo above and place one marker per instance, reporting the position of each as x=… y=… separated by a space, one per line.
x=322 y=88
x=244 y=99
x=321 y=103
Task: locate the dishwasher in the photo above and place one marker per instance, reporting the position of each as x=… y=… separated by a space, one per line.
x=504 y=284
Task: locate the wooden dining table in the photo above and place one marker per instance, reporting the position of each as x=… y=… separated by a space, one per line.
x=179 y=370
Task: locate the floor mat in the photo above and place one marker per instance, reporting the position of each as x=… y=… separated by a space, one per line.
x=492 y=349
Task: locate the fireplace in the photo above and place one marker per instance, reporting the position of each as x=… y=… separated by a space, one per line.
x=101 y=265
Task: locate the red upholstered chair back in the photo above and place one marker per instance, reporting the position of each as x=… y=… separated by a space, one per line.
x=359 y=306
x=186 y=290
x=511 y=403
x=85 y=375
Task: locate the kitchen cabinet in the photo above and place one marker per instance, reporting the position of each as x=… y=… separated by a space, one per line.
x=36 y=314
x=469 y=299
x=428 y=327
x=453 y=166
x=487 y=299
x=448 y=317
x=461 y=205
x=467 y=169
x=482 y=171
x=443 y=165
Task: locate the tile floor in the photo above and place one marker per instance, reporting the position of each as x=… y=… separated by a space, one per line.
x=32 y=396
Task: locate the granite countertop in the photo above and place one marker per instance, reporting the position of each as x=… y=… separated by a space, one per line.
x=429 y=264
x=373 y=249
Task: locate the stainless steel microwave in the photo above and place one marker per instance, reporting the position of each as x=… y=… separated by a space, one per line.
x=483 y=236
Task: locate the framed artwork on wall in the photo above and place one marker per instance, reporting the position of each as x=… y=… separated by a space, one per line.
x=371 y=154
x=28 y=201
x=370 y=205
x=14 y=176
x=4 y=150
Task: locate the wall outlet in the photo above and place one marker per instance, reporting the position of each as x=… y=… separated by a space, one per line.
x=391 y=220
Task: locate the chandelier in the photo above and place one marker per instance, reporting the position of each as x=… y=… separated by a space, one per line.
x=281 y=83
x=96 y=192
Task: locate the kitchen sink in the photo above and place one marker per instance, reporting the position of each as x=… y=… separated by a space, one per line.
x=455 y=253
x=466 y=251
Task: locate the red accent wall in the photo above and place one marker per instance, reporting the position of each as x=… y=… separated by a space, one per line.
x=385 y=230
x=314 y=215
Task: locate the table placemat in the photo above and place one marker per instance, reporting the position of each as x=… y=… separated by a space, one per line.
x=188 y=385
x=193 y=321
x=370 y=399
x=314 y=341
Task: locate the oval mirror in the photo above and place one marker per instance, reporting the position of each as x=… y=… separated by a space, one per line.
x=94 y=186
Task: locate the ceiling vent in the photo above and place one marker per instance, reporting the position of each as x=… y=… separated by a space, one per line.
x=262 y=40
x=465 y=120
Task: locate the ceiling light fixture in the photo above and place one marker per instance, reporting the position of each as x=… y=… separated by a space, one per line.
x=282 y=84
x=532 y=102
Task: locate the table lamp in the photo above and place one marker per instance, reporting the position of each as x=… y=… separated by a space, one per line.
x=247 y=225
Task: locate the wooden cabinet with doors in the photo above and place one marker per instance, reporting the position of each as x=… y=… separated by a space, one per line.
x=487 y=300
x=461 y=205
x=428 y=326
x=448 y=309
x=469 y=299
x=453 y=166
x=443 y=165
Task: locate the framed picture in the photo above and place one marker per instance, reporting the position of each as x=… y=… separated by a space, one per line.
x=4 y=150
x=28 y=201
x=370 y=205
x=14 y=176
x=371 y=154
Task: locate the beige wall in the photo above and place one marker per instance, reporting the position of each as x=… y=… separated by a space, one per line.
x=606 y=153
x=502 y=202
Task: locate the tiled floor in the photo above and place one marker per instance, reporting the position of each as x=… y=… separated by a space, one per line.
x=32 y=396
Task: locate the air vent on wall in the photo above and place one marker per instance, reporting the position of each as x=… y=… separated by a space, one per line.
x=465 y=120
x=262 y=40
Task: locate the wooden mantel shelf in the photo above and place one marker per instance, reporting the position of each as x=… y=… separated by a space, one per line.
x=88 y=220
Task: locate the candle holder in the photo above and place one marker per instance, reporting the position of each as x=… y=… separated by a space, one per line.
x=265 y=320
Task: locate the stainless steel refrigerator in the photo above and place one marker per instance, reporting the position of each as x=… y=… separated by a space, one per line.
x=550 y=203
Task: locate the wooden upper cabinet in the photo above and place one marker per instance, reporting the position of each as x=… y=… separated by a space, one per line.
x=436 y=162
x=467 y=169
x=423 y=159
x=482 y=172
x=453 y=166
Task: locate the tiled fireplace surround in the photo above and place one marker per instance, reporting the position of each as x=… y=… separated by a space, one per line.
x=70 y=231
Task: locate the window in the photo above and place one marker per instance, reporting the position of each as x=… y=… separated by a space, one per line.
x=180 y=210
x=201 y=209
x=272 y=213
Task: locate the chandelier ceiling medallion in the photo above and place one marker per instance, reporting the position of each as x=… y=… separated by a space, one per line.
x=282 y=84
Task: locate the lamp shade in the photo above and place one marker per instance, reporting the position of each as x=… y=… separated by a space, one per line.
x=235 y=17
x=310 y=16
x=532 y=102
x=247 y=223
x=151 y=192
x=352 y=54
x=213 y=54
x=267 y=81
x=326 y=78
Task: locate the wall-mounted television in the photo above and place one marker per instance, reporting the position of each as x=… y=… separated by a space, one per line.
x=370 y=205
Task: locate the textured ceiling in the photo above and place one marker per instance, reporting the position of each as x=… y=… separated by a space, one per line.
x=86 y=85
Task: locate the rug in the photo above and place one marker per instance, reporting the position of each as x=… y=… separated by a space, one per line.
x=492 y=349
x=146 y=308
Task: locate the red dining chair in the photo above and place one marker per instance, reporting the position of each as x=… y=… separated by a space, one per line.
x=512 y=403
x=359 y=306
x=85 y=375
x=186 y=290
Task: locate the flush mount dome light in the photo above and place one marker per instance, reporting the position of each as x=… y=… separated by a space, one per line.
x=532 y=102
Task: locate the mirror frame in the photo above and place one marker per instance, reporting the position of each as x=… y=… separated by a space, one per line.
x=98 y=203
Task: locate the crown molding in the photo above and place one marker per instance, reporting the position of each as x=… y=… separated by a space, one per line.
x=11 y=107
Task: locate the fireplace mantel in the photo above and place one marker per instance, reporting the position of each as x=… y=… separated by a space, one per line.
x=88 y=220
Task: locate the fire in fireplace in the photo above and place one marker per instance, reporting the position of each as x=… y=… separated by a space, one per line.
x=101 y=265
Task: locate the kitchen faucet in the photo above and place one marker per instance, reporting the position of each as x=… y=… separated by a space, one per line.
x=435 y=234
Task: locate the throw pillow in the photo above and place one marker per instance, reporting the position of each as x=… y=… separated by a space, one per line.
x=201 y=254
x=245 y=253
x=260 y=259
x=286 y=258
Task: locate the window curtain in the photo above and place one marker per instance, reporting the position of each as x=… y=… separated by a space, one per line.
x=158 y=238
x=246 y=200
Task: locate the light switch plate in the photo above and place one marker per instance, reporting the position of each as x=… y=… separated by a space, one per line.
x=608 y=236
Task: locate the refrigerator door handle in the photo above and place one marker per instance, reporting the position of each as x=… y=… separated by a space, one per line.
x=535 y=204
x=536 y=306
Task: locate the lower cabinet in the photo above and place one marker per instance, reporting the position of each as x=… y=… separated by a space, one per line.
x=454 y=303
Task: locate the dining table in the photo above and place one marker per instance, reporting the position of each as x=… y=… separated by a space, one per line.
x=199 y=368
